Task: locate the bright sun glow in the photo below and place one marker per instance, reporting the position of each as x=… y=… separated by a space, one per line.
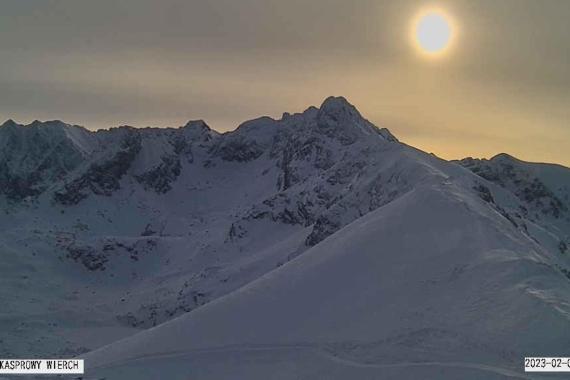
x=433 y=32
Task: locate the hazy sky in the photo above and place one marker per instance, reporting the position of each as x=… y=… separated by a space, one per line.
x=503 y=87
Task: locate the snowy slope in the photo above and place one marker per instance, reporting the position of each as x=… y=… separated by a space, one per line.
x=462 y=291
x=317 y=238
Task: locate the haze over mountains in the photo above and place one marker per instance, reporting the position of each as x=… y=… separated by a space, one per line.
x=314 y=246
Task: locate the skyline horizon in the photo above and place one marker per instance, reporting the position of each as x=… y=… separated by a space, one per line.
x=278 y=118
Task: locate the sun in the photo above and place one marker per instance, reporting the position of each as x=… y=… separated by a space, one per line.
x=433 y=32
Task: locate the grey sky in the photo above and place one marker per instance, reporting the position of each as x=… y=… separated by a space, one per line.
x=505 y=86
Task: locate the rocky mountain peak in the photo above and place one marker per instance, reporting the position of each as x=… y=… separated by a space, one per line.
x=338 y=118
x=338 y=109
x=8 y=123
x=197 y=124
x=503 y=157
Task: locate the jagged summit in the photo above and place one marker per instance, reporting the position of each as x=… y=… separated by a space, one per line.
x=335 y=111
x=343 y=113
x=37 y=123
x=340 y=108
x=38 y=126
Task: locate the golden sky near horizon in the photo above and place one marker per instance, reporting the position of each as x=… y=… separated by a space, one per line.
x=503 y=85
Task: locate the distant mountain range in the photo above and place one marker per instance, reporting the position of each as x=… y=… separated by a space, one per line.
x=313 y=246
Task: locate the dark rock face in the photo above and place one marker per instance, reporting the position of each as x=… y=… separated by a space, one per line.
x=153 y=314
x=281 y=208
x=484 y=193
x=90 y=258
x=17 y=188
x=385 y=133
x=34 y=156
x=323 y=228
x=340 y=120
x=238 y=149
x=185 y=299
x=183 y=147
x=102 y=254
x=294 y=152
x=102 y=178
x=160 y=178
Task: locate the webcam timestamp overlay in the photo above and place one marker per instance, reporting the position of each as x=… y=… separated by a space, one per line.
x=543 y=364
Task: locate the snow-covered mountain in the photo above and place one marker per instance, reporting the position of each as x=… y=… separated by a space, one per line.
x=313 y=246
x=542 y=191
